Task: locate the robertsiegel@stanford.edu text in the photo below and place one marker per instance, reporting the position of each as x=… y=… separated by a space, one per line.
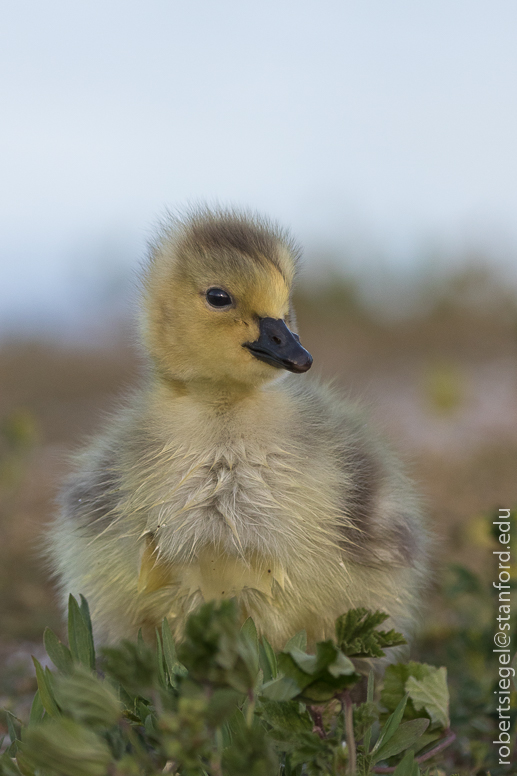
x=502 y=637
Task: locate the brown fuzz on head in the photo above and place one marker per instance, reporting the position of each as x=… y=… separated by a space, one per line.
x=249 y=259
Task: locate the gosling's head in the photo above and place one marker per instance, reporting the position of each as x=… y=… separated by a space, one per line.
x=217 y=301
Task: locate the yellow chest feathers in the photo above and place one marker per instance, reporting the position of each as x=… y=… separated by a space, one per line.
x=222 y=525
x=211 y=573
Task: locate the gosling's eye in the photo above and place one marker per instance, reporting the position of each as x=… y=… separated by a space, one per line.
x=217 y=297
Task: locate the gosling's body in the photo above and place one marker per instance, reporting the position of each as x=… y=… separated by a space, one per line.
x=224 y=476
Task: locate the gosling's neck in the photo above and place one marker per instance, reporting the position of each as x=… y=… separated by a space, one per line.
x=205 y=415
x=218 y=394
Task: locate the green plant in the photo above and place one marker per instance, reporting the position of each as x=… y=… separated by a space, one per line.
x=222 y=703
x=464 y=643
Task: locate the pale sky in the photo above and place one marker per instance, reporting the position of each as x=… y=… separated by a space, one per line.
x=372 y=128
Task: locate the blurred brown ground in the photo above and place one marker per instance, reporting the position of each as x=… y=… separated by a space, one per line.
x=441 y=382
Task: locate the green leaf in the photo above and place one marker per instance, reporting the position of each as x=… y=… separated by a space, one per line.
x=289 y=770
x=394 y=688
x=63 y=746
x=249 y=646
x=85 y=611
x=407 y=766
x=431 y=693
x=428 y=740
x=174 y=667
x=222 y=704
x=298 y=641
x=321 y=676
x=141 y=645
x=214 y=650
x=249 y=633
x=298 y=665
x=250 y=752
x=24 y=766
x=327 y=658
x=341 y=666
x=286 y=716
x=57 y=652
x=169 y=650
x=37 y=710
x=82 y=696
x=160 y=659
x=142 y=709
x=267 y=659
x=282 y=688
x=80 y=635
x=310 y=750
x=12 y=722
x=135 y=669
x=357 y=636
x=391 y=725
x=364 y=717
x=45 y=690
x=8 y=767
x=406 y=735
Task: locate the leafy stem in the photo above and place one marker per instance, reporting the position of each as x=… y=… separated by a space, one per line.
x=442 y=744
x=348 y=710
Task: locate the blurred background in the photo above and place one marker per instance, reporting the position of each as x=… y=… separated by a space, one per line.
x=382 y=134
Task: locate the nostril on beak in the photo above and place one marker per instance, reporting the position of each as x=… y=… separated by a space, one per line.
x=279 y=347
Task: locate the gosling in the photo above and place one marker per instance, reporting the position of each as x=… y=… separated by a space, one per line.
x=228 y=473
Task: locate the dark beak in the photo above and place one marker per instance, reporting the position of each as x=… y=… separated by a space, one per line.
x=278 y=346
